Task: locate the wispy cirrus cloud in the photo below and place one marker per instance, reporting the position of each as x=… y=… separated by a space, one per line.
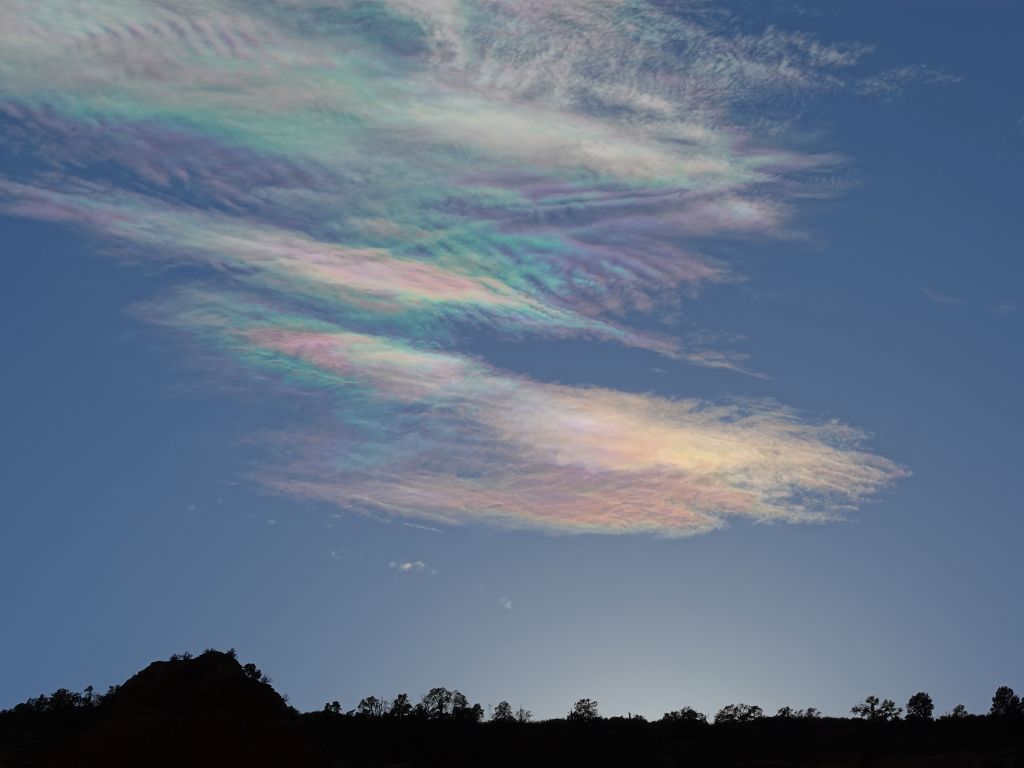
x=358 y=185
x=892 y=82
x=941 y=298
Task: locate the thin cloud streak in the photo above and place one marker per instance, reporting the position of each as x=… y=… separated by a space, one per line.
x=941 y=298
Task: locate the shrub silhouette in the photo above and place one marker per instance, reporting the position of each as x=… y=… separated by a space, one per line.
x=959 y=712
x=253 y=673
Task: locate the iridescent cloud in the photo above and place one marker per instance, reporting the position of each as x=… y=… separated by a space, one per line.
x=477 y=445
x=360 y=184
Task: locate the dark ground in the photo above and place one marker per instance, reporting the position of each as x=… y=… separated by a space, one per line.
x=208 y=711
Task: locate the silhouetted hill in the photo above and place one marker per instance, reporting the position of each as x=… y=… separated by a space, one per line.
x=213 y=711
x=204 y=711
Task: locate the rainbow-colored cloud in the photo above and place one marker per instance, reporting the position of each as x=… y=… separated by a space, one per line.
x=360 y=182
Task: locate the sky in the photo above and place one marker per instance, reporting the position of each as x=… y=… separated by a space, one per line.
x=661 y=353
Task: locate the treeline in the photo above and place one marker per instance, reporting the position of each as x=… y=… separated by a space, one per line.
x=443 y=704
x=437 y=704
x=212 y=710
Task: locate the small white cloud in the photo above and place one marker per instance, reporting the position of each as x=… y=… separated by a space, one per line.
x=505 y=603
x=1006 y=308
x=271 y=522
x=411 y=566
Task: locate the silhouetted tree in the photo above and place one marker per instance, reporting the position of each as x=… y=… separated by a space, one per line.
x=959 y=712
x=867 y=708
x=371 y=706
x=738 y=713
x=584 y=709
x=785 y=713
x=920 y=706
x=333 y=707
x=463 y=710
x=685 y=715
x=437 y=704
x=1005 y=703
x=59 y=700
x=401 y=707
x=888 y=711
x=523 y=715
x=503 y=713
x=62 y=698
x=875 y=711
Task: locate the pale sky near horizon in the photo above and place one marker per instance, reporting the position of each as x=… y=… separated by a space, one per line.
x=662 y=353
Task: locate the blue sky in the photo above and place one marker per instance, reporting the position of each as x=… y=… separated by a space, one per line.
x=516 y=464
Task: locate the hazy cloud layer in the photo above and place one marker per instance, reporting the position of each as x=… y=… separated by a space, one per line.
x=360 y=184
